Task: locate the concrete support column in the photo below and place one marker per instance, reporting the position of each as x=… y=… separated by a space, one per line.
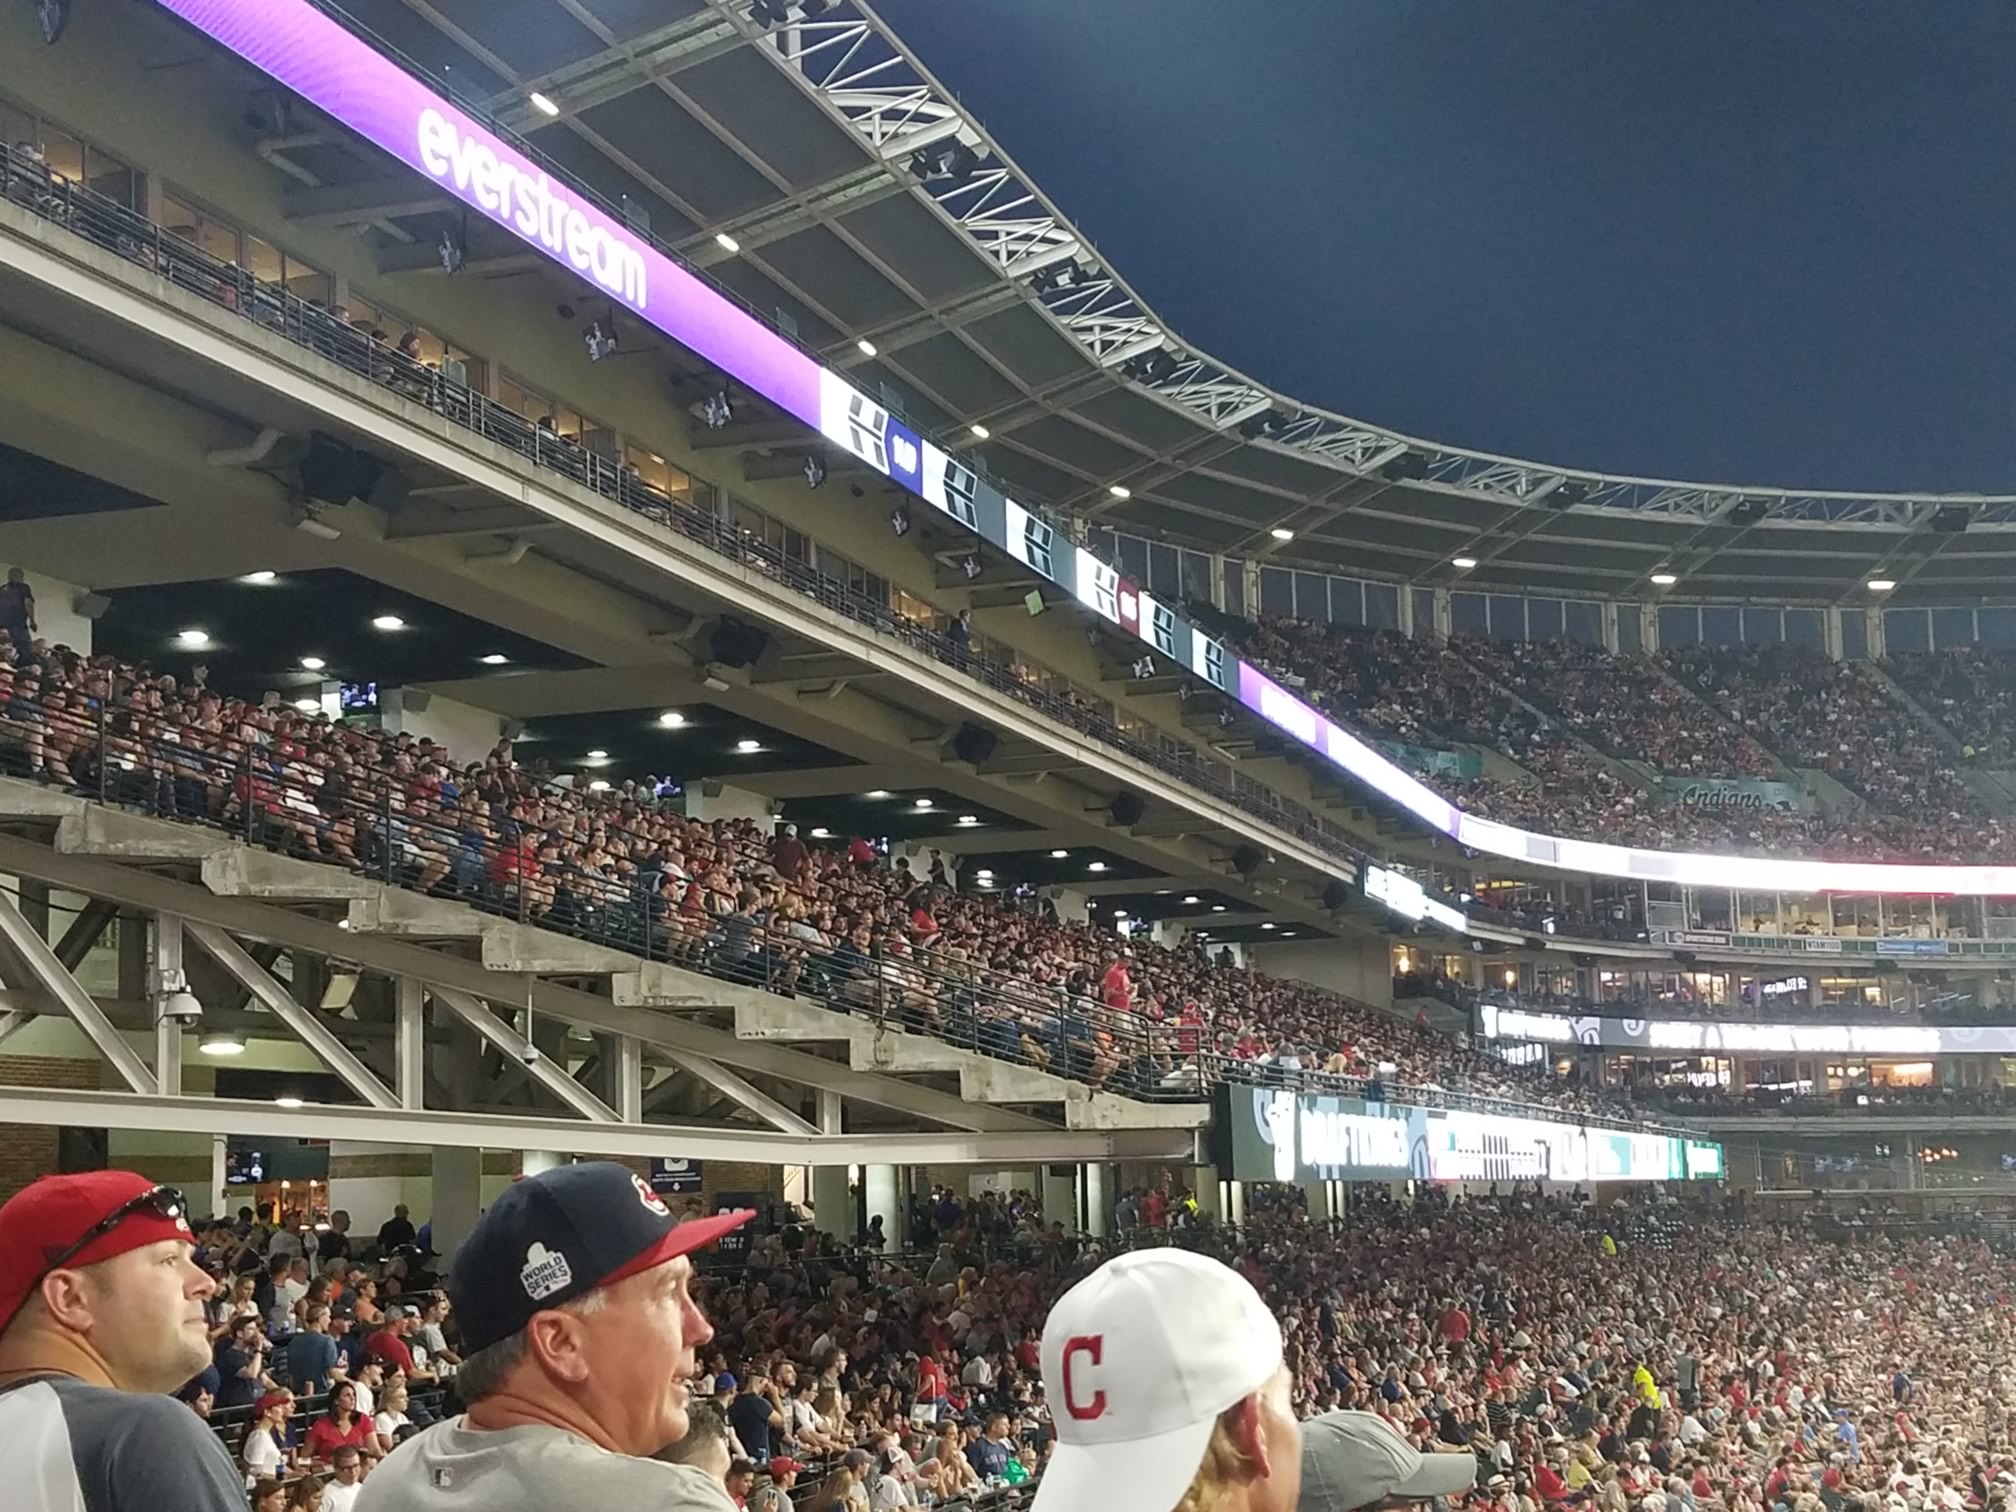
x=1316 y=1199
x=1203 y=1184
x=882 y=1197
x=220 y=1189
x=457 y=1197
x=832 y=1212
x=1235 y=1206
x=409 y=1042
x=1096 y=1214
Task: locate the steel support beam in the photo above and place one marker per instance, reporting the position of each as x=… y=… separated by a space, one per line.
x=167 y=977
x=51 y=974
x=137 y=888
x=13 y=1022
x=506 y=1038
x=85 y=930
x=307 y=1028
x=409 y=1041
x=629 y=1078
x=408 y=1126
x=732 y=1085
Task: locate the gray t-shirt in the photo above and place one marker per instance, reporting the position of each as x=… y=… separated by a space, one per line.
x=455 y=1468
x=67 y=1445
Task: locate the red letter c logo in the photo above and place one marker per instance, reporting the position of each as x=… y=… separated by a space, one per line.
x=1093 y=1346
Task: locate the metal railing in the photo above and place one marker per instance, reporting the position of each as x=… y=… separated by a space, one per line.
x=282 y=781
x=27 y=182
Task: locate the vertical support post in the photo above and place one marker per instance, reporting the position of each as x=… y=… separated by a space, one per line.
x=409 y=1044
x=167 y=978
x=629 y=1089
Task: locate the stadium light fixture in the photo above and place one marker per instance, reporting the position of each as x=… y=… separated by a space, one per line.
x=1217 y=908
x=877 y=793
x=748 y=747
x=671 y=719
x=866 y=347
x=1282 y=533
x=923 y=803
x=495 y=659
x=1059 y=855
x=1268 y=925
x=815 y=470
x=1121 y=491
x=718 y=410
x=1664 y=579
x=1190 y=897
x=1463 y=563
x=820 y=832
x=193 y=638
x=260 y=578
x=981 y=433
x=1096 y=866
x=1881 y=585
x=221 y=1042
x=726 y=242
x=969 y=820
x=287 y=1102
x=308 y=705
x=312 y=664
x=388 y=622
x=543 y=105
x=598 y=754
x=598 y=786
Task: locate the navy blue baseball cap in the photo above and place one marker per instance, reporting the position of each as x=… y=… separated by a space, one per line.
x=550 y=1238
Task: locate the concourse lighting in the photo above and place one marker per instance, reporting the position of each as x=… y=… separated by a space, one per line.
x=598 y=755
x=287 y=1102
x=969 y=819
x=312 y=664
x=672 y=719
x=1881 y=585
x=598 y=786
x=981 y=433
x=877 y=793
x=820 y=832
x=1121 y=491
x=1664 y=579
x=1120 y=913
x=221 y=1042
x=1266 y=926
x=543 y=105
x=1190 y=898
x=1096 y=866
x=726 y=242
x=388 y=622
x=261 y=577
x=747 y=746
x=495 y=659
x=1217 y=908
x=1463 y=563
x=923 y=803
x=192 y=638
x=867 y=347
x=1059 y=855
x=1282 y=533
x=308 y=705
x=985 y=874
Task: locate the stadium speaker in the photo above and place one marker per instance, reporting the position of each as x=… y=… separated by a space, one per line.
x=974 y=744
x=1952 y=519
x=1127 y=810
x=1747 y=512
x=1567 y=496
x=1336 y=894
x=736 y=644
x=91 y=606
x=1246 y=860
x=332 y=473
x=513 y=728
x=415 y=700
x=1408 y=467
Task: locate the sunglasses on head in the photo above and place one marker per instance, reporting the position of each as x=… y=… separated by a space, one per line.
x=162 y=1201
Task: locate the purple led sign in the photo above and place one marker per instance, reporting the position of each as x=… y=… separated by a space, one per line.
x=340 y=74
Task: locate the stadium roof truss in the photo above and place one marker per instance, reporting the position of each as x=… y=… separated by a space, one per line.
x=799 y=152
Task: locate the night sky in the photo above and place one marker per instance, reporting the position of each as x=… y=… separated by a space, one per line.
x=1765 y=242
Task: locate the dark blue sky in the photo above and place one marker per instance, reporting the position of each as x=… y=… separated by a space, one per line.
x=1769 y=242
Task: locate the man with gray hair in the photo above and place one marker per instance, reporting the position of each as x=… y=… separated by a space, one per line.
x=579 y=1332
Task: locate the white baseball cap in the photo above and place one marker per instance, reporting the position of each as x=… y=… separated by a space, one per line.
x=1353 y=1459
x=1139 y=1359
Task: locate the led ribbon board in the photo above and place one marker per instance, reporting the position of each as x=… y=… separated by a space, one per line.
x=340 y=74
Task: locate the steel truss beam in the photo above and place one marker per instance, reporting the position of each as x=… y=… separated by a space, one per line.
x=681 y=1039
x=554 y=1079
x=410 y=1126
x=55 y=978
x=859 y=71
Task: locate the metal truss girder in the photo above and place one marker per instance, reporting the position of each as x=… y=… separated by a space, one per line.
x=622 y=70
x=496 y=1031
x=151 y=892
x=850 y=61
x=55 y=978
x=421 y=1127
x=740 y=1089
x=278 y=1001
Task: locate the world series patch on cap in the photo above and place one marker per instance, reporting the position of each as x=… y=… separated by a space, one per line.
x=560 y=1234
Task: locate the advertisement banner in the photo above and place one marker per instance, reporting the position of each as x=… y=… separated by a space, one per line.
x=1453 y=766
x=1911 y=947
x=1710 y=1037
x=1272 y=1135
x=1742 y=794
x=1823 y=944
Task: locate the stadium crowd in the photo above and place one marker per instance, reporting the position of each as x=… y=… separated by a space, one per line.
x=1640 y=1357
x=1559 y=709
x=863 y=932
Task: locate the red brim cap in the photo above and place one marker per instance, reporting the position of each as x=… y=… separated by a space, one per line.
x=49 y=1215
x=682 y=1239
